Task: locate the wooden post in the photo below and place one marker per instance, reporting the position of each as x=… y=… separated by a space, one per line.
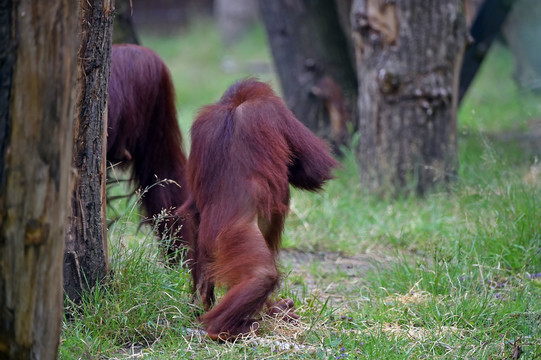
x=38 y=50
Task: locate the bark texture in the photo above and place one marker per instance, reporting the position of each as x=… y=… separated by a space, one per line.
x=311 y=57
x=85 y=259
x=408 y=58
x=37 y=94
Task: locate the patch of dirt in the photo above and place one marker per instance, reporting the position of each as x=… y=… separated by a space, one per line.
x=329 y=275
x=332 y=261
x=529 y=139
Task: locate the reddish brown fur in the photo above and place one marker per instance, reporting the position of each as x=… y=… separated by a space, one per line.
x=246 y=150
x=143 y=130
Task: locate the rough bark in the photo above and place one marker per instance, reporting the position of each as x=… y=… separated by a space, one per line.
x=124 y=30
x=311 y=56
x=408 y=57
x=37 y=95
x=85 y=259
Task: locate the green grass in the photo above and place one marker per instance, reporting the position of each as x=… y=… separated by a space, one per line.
x=447 y=276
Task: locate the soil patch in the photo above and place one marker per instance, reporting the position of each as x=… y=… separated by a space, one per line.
x=329 y=275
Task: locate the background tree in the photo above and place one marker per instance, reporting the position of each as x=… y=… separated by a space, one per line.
x=235 y=18
x=85 y=259
x=408 y=61
x=311 y=56
x=165 y=16
x=522 y=33
x=37 y=88
x=124 y=29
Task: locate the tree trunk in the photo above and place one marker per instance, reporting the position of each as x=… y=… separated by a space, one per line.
x=343 y=9
x=124 y=30
x=408 y=58
x=37 y=81
x=522 y=32
x=85 y=259
x=311 y=55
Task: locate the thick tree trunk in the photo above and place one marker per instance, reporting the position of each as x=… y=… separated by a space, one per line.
x=124 y=30
x=85 y=259
x=38 y=51
x=408 y=58
x=311 y=55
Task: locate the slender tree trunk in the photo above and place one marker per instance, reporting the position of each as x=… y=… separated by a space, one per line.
x=311 y=55
x=38 y=50
x=408 y=58
x=85 y=259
